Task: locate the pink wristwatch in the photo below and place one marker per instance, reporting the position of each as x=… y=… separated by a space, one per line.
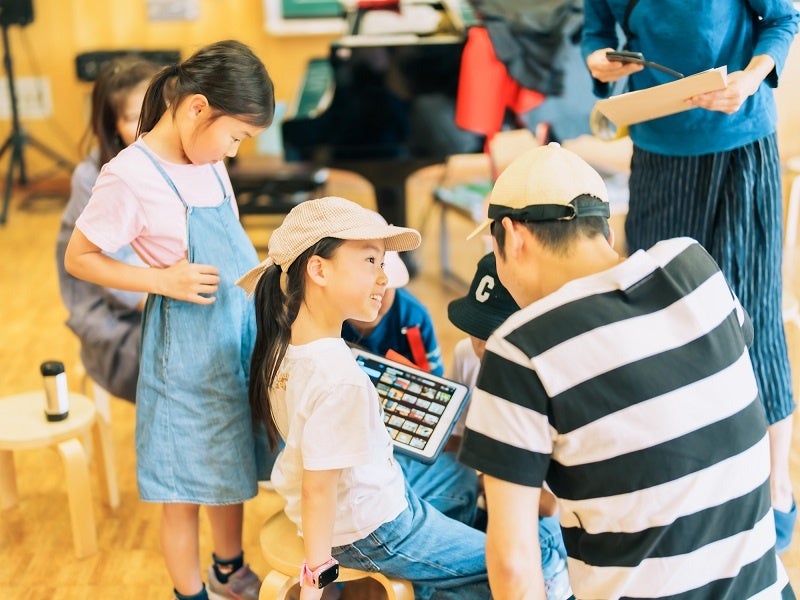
x=326 y=573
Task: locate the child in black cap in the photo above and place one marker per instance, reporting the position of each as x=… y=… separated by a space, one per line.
x=478 y=314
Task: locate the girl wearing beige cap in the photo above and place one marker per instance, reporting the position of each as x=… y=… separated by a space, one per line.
x=342 y=486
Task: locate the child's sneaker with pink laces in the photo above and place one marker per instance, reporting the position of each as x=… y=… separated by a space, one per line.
x=242 y=584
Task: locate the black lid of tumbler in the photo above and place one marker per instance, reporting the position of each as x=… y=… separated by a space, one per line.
x=51 y=367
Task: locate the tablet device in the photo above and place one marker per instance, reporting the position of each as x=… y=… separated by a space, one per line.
x=419 y=409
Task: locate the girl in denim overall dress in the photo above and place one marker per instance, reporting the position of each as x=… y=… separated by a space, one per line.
x=168 y=195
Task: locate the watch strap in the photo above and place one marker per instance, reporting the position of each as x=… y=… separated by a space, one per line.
x=311 y=578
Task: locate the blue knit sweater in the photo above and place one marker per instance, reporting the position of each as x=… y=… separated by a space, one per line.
x=691 y=37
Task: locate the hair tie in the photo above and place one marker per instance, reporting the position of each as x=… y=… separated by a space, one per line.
x=174 y=70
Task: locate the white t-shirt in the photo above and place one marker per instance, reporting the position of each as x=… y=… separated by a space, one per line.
x=464 y=369
x=330 y=417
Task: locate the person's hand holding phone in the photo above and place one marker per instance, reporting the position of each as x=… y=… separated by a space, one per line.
x=606 y=70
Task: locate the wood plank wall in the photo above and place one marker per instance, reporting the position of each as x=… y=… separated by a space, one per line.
x=62 y=29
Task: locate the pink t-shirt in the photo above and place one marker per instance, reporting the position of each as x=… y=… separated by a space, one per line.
x=133 y=204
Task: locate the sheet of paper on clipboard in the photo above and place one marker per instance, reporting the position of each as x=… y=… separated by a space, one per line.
x=661 y=100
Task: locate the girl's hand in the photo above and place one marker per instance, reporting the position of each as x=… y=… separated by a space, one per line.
x=189 y=282
x=310 y=593
x=606 y=70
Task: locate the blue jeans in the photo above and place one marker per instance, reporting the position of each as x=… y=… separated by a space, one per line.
x=443 y=558
x=446 y=484
x=451 y=488
x=554 y=559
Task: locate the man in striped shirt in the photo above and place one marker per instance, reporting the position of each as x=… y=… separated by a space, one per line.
x=627 y=386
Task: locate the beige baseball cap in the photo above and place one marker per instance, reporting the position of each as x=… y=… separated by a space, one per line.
x=334 y=217
x=541 y=185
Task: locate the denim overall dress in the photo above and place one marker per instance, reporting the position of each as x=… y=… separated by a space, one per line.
x=194 y=438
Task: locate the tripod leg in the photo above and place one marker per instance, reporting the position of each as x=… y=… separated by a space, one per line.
x=18 y=137
x=19 y=145
x=6 y=145
x=9 y=184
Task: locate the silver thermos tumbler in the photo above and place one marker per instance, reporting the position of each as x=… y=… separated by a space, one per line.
x=55 y=388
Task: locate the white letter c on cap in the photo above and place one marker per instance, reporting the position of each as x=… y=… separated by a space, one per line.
x=484 y=289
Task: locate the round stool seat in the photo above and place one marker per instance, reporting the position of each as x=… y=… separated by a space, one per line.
x=23 y=423
x=283 y=550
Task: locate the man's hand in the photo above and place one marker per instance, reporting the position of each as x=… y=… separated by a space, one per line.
x=606 y=70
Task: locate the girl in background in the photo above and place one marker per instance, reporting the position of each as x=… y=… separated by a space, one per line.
x=106 y=321
x=169 y=196
x=343 y=488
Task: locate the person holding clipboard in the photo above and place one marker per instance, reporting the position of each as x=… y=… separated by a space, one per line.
x=713 y=173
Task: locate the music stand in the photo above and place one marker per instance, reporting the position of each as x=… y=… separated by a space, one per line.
x=18 y=139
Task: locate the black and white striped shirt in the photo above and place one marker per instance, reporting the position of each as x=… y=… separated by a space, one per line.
x=631 y=392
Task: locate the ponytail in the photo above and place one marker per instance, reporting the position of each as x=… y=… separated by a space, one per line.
x=154 y=104
x=273 y=332
x=276 y=311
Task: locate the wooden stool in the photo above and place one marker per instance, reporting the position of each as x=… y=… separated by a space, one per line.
x=284 y=553
x=102 y=404
x=23 y=425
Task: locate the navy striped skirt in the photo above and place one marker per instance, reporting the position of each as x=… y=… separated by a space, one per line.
x=730 y=202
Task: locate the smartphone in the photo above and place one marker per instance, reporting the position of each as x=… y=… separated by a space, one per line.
x=625 y=56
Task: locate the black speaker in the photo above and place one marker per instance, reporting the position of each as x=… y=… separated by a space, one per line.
x=89 y=64
x=16 y=12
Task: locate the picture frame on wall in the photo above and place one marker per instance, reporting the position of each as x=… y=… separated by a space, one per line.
x=304 y=17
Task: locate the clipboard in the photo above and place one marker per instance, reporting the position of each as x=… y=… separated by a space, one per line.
x=661 y=100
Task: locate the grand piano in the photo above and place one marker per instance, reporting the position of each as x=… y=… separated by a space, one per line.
x=382 y=105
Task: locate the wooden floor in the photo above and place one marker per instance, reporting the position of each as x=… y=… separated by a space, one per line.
x=37 y=560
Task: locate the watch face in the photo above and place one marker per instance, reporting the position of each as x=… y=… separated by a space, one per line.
x=329 y=575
